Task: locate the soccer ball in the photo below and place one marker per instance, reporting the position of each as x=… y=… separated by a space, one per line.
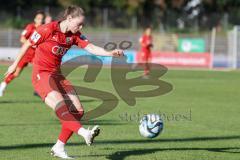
x=151 y=125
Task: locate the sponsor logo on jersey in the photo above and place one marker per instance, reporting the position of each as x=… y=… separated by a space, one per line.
x=58 y=50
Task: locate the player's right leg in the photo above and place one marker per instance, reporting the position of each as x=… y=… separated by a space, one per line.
x=55 y=101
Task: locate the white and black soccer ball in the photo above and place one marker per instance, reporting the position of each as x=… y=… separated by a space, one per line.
x=151 y=125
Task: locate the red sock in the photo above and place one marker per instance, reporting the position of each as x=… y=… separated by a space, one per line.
x=9 y=78
x=68 y=119
x=65 y=134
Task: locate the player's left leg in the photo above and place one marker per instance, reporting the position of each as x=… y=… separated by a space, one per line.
x=55 y=100
x=69 y=118
x=75 y=108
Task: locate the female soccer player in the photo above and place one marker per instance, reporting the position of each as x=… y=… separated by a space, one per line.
x=145 y=53
x=52 y=41
x=29 y=29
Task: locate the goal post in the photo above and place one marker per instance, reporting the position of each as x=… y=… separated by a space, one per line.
x=225 y=48
x=233 y=54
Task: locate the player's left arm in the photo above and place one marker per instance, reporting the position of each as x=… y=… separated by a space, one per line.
x=83 y=42
x=99 y=51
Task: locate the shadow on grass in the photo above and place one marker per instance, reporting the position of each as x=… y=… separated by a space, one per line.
x=46 y=123
x=20 y=101
x=121 y=155
x=194 y=139
x=39 y=101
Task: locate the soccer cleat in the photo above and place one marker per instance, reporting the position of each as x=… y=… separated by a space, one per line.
x=89 y=138
x=60 y=153
x=3 y=86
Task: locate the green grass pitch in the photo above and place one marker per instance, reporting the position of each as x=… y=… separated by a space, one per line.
x=201 y=120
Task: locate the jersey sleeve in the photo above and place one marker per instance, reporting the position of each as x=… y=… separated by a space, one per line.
x=81 y=41
x=39 y=35
x=26 y=33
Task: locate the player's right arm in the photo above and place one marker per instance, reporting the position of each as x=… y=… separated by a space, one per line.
x=38 y=36
x=82 y=42
x=23 y=50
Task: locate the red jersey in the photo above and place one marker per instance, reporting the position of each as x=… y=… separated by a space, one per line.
x=52 y=44
x=146 y=42
x=26 y=33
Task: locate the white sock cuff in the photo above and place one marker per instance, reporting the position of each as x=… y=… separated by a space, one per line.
x=3 y=84
x=82 y=131
x=60 y=142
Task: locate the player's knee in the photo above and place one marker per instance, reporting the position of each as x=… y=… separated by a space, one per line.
x=76 y=106
x=60 y=104
x=54 y=99
x=79 y=107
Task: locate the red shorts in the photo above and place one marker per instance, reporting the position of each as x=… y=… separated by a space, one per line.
x=46 y=82
x=27 y=58
x=145 y=56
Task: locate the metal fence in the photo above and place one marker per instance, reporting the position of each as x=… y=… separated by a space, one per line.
x=221 y=48
x=9 y=38
x=162 y=41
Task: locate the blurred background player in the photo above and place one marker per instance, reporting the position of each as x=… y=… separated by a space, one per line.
x=145 y=51
x=29 y=29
